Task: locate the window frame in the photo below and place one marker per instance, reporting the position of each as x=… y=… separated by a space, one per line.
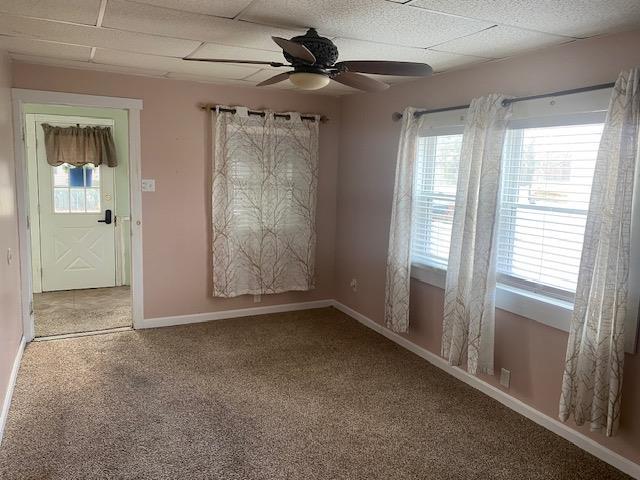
x=537 y=303
x=559 y=120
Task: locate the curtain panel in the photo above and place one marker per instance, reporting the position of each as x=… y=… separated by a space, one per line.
x=469 y=310
x=265 y=177
x=592 y=383
x=79 y=146
x=398 y=276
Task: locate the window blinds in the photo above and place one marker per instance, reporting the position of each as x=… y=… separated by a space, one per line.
x=435 y=177
x=546 y=186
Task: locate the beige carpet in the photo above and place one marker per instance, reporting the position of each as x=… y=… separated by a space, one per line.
x=73 y=311
x=305 y=395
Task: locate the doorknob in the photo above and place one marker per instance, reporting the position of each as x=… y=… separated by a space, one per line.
x=107 y=217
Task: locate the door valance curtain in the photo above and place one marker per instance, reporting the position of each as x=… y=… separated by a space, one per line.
x=398 y=277
x=469 y=302
x=592 y=384
x=79 y=146
x=265 y=176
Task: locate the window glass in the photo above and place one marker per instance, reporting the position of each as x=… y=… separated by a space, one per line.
x=546 y=185
x=76 y=189
x=435 y=177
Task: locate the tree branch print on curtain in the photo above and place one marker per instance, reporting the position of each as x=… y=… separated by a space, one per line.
x=265 y=177
x=396 y=309
x=469 y=302
x=592 y=384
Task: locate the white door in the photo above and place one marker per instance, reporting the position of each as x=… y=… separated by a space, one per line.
x=77 y=245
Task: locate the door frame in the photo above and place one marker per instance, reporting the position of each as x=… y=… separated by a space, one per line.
x=20 y=97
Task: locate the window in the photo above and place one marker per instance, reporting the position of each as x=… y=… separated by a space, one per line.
x=546 y=185
x=435 y=176
x=76 y=189
x=261 y=179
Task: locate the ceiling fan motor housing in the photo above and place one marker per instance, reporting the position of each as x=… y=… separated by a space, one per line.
x=323 y=49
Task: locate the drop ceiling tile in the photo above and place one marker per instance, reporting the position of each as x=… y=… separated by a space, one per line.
x=138 y=17
x=44 y=49
x=86 y=65
x=373 y=20
x=439 y=61
x=218 y=8
x=207 y=79
x=577 y=18
x=215 y=50
x=95 y=37
x=499 y=42
x=79 y=11
x=176 y=65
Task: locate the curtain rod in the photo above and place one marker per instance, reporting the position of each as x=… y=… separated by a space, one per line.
x=397 y=115
x=260 y=113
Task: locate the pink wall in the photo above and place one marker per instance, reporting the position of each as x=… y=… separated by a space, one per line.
x=175 y=151
x=533 y=352
x=176 y=216
x=10 y=321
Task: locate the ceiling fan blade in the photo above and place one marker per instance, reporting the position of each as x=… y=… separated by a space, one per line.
x=281 y=77
x=384 y=67
x=296 y=50
x=361 y=82
x=226 y=60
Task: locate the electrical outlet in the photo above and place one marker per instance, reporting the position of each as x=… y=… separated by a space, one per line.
x=505 y=377
x=148 y=185
x=257 y=298
x=354 y=284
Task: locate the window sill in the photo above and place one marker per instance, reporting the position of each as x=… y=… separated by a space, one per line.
x=541 y=308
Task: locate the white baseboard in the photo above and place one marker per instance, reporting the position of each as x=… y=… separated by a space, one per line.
x=550 y=423
x=235 y=313
x=8 y=395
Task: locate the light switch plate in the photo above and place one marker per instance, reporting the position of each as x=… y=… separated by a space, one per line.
x=148 y=185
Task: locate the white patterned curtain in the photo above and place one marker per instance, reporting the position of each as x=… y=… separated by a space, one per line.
x=592 y=384
x=469 y=310
x=396 y=310
x=265 y=176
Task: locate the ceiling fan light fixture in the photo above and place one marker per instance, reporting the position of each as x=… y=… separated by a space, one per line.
x=309 y=81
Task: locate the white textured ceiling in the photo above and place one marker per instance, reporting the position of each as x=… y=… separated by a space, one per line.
x=149 y=37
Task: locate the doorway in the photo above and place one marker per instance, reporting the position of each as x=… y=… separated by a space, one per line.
x=80 y=227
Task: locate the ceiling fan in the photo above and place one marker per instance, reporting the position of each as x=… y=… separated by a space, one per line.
x=313 y=60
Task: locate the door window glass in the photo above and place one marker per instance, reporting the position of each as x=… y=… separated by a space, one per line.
x=76 y=189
